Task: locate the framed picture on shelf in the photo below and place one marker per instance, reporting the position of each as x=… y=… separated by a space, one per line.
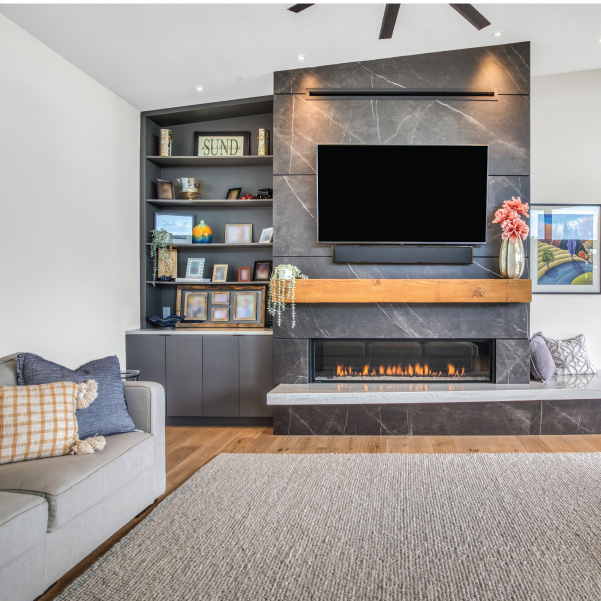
x=245 y=306
x=220 y=314
x=564 y=249
x=167 y=268
x=238 y=233
x=266 y=235
x=165 y=189
x=244 y=274
x=226 y=306
x=233 y=194
x=262 y=271
x=195 y=305
x=220 y=298
x=195 y=269
x=221 y=143
x=179 y=225
x=219 y=273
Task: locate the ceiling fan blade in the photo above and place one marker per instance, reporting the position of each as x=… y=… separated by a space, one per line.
x=297 y=8
x=468 y=12
x=389 y=21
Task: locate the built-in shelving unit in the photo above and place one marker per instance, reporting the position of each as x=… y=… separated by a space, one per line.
x=191 y=282
x=249 y=172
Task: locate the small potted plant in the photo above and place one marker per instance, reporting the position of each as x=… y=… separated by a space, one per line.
x=282 y=291
x=161 y=243
x=512 y=258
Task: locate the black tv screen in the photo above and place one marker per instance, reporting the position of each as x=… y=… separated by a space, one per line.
x=401 y=194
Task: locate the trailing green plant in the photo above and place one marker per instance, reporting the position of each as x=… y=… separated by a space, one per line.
x=282 y=291
x=161 y=243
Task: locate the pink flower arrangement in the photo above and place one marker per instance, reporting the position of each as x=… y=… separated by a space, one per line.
x=508 y=216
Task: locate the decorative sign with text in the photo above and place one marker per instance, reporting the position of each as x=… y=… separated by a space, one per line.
x=221 y=144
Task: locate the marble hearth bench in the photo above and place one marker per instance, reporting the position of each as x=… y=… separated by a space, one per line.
x=560 y=406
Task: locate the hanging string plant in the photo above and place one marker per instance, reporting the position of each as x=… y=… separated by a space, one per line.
x=282 y=291
x=161 y=244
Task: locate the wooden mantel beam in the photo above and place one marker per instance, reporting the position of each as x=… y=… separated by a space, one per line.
x=413 y=291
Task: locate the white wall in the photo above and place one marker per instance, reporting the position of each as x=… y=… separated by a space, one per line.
x=68 y=207
x=566 y=168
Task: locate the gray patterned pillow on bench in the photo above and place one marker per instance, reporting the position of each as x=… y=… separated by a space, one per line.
x=570 y=356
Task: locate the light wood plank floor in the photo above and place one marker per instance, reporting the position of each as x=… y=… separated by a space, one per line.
x=189 y=448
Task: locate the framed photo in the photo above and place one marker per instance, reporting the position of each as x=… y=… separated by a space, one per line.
x=266 y=235
x=225 y=306
x=220 y=314
x=262 y=271
x=221 y=143
x=238 y=233
x=244 y=274
x=245 y=306
x=195 y=269
x=220 y=298
x=219 y=273
x=233 y=194
x=166 y=267
x=564 y=249
x=177 y=224
x=165 y=189
x=195 y=305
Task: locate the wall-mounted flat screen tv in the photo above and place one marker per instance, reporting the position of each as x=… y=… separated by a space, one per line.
x=384 y=194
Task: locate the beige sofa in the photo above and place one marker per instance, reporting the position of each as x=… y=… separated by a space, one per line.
x=55 y=511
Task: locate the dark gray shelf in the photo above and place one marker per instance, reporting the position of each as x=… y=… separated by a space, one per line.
x=190 y=161
x=159 y=283
x=222 y=245
x=182 y=203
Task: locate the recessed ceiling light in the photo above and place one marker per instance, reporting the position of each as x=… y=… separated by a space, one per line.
x=199 y=88
x=301 y=57
x=498 y=34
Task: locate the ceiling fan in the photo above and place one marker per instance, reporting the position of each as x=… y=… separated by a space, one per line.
x=391 y=11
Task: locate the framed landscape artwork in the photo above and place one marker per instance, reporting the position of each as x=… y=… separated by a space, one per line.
x=564 y=249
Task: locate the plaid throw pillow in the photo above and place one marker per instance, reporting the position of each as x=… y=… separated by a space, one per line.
x=39 y=421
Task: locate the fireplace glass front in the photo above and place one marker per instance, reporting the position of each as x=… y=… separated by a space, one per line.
x=373 y=360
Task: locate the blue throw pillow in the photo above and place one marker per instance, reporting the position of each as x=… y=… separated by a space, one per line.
x=107 y=414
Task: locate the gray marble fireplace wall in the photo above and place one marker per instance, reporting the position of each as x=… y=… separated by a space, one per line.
x=300 y=124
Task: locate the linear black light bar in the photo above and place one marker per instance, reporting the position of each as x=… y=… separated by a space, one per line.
x=413 y=93
x=297 y=8
x=389 y=21
x=468 y=12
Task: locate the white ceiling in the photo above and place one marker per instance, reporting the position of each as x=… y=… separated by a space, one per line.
x=154 y=55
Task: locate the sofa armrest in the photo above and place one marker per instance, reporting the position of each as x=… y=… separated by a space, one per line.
x=146 y=405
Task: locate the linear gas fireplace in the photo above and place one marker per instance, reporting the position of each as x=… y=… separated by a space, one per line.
x=374 y=360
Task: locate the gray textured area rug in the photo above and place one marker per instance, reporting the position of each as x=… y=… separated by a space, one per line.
x=366 y=527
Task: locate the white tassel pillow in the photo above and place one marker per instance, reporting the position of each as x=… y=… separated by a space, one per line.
x=39 y=421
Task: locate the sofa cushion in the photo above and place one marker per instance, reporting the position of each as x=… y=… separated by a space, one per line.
x=108 y=414
x=23 y=520
x=73 y=483
x=39 y=421
x=8 y=370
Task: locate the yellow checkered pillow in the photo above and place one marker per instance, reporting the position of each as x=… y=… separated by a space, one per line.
x=39 y=421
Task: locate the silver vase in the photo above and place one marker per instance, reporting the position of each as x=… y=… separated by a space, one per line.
x=512 y=260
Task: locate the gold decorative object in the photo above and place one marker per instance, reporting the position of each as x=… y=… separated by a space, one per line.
x=189 y=187
x=165 y=142
x=263 y=142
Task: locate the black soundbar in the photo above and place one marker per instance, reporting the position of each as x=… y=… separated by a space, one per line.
x=405 y=255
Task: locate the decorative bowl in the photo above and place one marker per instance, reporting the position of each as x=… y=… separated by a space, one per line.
x=189 y=187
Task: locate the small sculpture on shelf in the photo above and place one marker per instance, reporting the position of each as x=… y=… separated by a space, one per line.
x=264 y=193
x=202 y=234
x=165 y=322
x=189 y=187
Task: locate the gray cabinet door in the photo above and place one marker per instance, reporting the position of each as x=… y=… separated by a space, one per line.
x=147 y=353
x=256 y=375
x=221 y=381
x=184 y=376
